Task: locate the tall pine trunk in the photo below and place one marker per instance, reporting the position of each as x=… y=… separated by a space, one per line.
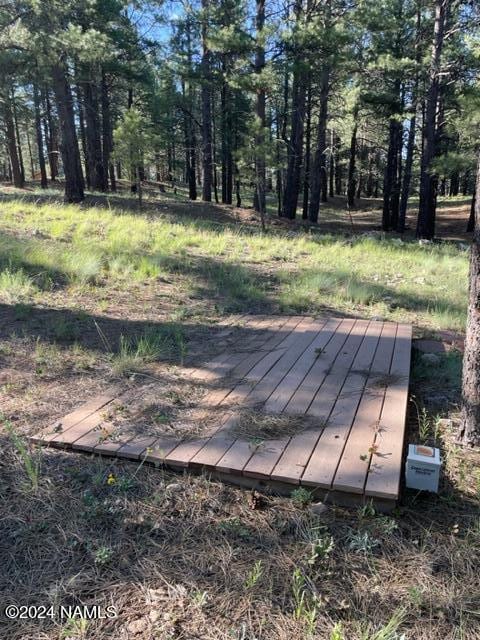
x=83 y=137
x=226 y=141
x=17 y=135
x=206 y=108
x=470 y=426
x=51 y=134
x=72 y=166
x=308 y=137
x=11 y=140
x=295 y=148
x=390 y=211
x=38 y=133
x=407 y=177
x=259 y=200
x=428 y=181
x=319 y=168
x=352 y=171
x=107 y=136
x=93 y=136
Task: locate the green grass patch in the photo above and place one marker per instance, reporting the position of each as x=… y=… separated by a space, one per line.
x=137 y=351
x=236 y=267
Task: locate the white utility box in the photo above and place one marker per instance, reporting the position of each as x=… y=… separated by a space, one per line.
x=422 y=470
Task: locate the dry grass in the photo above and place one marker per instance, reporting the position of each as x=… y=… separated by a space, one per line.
x=186 y=557
x=183 y=557
x=256 y=424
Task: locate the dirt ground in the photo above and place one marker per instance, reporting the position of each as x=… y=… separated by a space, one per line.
x=183 y=557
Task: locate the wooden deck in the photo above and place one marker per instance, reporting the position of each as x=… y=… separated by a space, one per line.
x=346 y=380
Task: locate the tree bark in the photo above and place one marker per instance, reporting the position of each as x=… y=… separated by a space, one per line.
x=295 y=148
x=206 y=108
x=471 y=219
x=319 y=169
x=308 y=137
x=352 y=172
x=17 y=135
x=226 y=142
x=428 y=181
x=107 y=136
x=259 y=200
x=407 y=178
x=95 y=161
x=72 y=167
x=390 y=206
x=18 y=180
x=338 y=168
x=470 y=425
x=38 y=132
x=51 y=135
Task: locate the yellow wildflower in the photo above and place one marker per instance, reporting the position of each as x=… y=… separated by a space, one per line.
x=111 y=479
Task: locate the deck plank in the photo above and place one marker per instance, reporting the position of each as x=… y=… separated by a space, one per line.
x=348 y=377
x=61 y=426
x=324 y=400
x=303 y=396
x=285 y=390
x=386 y=463
x=299 y=449
x=185 y=451
x=353 y=467
x=265 y=457
x=326 y=455
x=236 y=457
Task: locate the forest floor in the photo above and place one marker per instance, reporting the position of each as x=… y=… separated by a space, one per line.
x=95 y=293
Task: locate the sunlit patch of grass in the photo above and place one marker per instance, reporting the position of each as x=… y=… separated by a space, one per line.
x=239 y=267
x=83 y=266
x=15 y=285
x=135 y=352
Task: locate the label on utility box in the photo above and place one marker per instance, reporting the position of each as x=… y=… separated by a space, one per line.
x=422 y=470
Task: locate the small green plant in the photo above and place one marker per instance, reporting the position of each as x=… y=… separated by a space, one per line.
x=301 y=497
x=366 y=511
x=199 y=598
x=424 y=425
x=337 y=632
x=31 y=460
x=64 y=330
x=416 y=596
x=362 y=542
x=388 y=631
x=103 y=555
x=15 y=285
x=22 y=311
x=135 y=352
x=74 y=628
x=305 y=605
x=320 y=549
x=234 y=526
x=254 y=575
x=386 y=525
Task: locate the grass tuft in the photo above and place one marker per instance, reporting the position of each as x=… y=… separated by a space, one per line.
x=136 y=352
x=15 y=285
